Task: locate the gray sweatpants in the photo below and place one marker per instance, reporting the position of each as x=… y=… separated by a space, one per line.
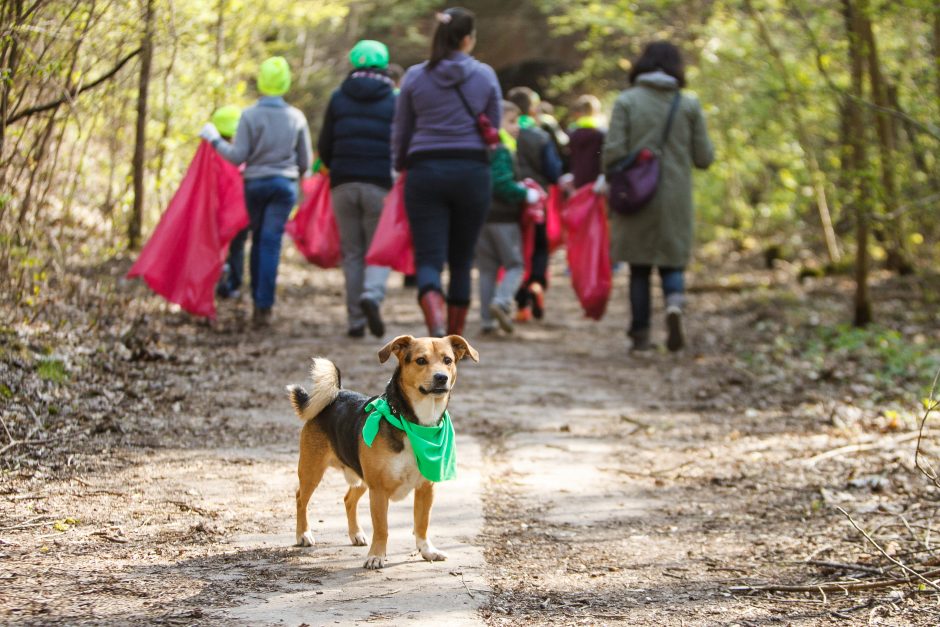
x=357 y=207
x=500 y=244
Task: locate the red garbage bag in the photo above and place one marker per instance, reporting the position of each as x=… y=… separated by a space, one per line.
x=183 y=259
x=553 y=226
x=313 y=228
x=585 y=219
x=531 y=215
x=391 y=245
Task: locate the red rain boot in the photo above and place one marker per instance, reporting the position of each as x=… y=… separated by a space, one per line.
x=456 y=318
x=432 y=306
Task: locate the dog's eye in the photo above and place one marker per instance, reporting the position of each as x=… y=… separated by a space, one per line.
x=421 y=361
x=448 y=361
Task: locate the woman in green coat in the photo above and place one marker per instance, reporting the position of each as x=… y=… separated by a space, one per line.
x=660 y=234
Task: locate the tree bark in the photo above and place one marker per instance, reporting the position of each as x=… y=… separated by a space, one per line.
x=857 y=164
x=140 y=147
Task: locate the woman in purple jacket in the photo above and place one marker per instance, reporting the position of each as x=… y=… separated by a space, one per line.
x=435 y=138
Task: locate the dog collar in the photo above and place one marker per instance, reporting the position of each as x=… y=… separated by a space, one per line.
x=434 y=448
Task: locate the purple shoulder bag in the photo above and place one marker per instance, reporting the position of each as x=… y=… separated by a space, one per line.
x=633 y=180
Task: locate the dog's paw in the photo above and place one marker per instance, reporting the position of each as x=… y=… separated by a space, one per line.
x=306 y=539
x=374 y=562
x=359 y=539
x=431 y=554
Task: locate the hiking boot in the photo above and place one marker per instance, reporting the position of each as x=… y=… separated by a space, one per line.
x=261 y=317
x=356 y=332
x=501 y=314
x=538 y=300
x=641 y=341
x=373 y=316
x=674 y=339
x=524 y=314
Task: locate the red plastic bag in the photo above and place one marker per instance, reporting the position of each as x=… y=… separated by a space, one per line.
x=391 y=245
x=585 y=220
x=553 y=226
x=313 y=228
x=183 y=259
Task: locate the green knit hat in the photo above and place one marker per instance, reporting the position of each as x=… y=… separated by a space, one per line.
x=274 y=77
x=369 y=53
x=226 y=120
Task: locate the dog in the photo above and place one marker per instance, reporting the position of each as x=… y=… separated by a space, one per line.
x=332 y=437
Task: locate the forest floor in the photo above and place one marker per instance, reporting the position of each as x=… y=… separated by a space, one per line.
x=148 y=459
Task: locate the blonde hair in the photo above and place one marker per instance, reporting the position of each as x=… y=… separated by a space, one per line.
x=587 y=105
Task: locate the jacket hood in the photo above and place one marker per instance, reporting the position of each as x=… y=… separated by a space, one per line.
x=367 y=85
x=453 y=69
x=657 y=80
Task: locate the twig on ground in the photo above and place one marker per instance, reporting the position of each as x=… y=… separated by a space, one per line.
x=858 y=448
x=842 y=566
x=906 y=569
x=9 y=435
x=26 y=525
x=832 y=586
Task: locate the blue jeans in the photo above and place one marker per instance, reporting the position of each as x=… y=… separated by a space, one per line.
x=235 y=263
x=673 y=281
x=447 y=201
x=269 y=202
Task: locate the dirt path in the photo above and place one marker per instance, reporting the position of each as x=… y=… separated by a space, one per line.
x=595 y=488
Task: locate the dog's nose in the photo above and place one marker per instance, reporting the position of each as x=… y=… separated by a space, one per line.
x=440 y=378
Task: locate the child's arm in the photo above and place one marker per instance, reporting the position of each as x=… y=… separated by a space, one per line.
x=403 y=124
x=505 y=186
x=551 y=162
x=325 y=141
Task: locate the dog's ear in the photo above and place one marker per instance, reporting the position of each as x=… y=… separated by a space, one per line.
x=400 y=343
x=462 y=348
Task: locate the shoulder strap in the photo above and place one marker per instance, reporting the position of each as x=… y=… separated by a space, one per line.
x=672 y=114
x=466 y=105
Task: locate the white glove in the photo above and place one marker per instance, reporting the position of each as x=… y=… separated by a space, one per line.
x=600 y=185
x=209 y=132
x=532 y=196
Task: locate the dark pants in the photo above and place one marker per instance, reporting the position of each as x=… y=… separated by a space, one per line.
x=539 y=269
x=235 y=264
x=673 y=282
x=447 y=201
x=269 y=202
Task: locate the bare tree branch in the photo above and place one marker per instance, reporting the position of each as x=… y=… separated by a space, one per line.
x=75 y=91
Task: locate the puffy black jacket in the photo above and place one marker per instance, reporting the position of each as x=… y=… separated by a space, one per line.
x=355 y=141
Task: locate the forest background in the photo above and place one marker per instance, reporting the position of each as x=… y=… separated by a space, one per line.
x=823 y=113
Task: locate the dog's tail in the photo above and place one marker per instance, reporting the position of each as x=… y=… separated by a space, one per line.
x=326 y=386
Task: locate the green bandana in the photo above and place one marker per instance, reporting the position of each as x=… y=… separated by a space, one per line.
x=434 y=449
x=526 y=121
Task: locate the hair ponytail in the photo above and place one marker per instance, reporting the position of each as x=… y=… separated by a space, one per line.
x=452 y=26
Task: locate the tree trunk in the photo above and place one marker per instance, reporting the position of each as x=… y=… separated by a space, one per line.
x=219 y=48
x=884 y=124
x=936 y=48
x=140 y=147
x=857 y=163
x=817 y=176
x=10 y=16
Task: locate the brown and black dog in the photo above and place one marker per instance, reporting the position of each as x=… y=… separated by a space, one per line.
x=418 y=391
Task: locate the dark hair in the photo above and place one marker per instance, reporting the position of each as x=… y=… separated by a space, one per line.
x=659 y=55
x=452 y=26
x=522 y=97
x=395 y=72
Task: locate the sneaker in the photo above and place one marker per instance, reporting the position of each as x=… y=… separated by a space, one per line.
x=373 y=316
x=487 y=330
x=502 y=317
x=356 y=332
x=674 y=340
x=524 y=314
x=538 y=300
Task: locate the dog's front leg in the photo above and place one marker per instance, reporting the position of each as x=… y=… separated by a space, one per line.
x=424 y=498
x=378 y=505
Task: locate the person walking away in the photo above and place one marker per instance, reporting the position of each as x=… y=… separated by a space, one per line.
x=660 y=234
x=587 y=140
x=273 y=141
x=436 y=137
x=500 y=243
x=538 y=160
x=355 y=144
x=225 y=119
